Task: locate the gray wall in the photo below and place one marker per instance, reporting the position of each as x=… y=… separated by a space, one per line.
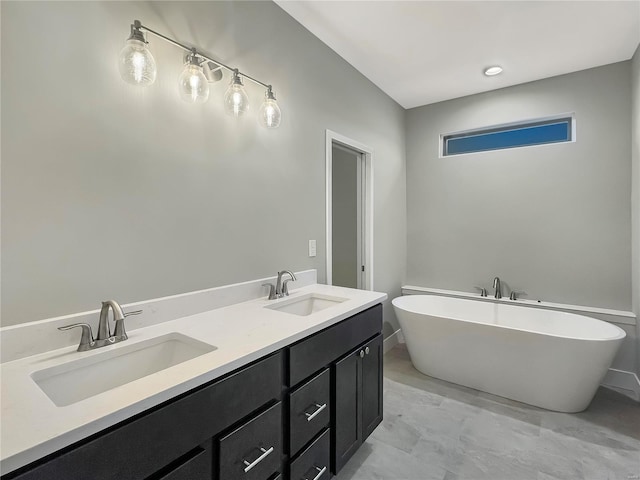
x=344 y=218
x=111 y=191
x=551 y=220
x=635 y=200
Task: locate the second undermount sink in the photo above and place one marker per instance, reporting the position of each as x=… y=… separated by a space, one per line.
x=80 y=379
x=306 y=304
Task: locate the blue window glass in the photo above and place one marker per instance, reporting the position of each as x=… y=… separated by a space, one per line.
x=521 y=135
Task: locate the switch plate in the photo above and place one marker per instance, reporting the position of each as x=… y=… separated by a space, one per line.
x=312 y=248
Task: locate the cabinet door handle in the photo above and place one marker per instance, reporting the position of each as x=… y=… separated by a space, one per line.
x=361 y=353
x=320 y=472
x=249 y=466
x=366 y=350
x=311 y=416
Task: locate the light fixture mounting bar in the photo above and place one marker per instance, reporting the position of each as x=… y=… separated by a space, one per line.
x=140 y=26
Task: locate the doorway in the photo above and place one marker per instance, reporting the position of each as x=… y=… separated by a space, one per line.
x=349 y=213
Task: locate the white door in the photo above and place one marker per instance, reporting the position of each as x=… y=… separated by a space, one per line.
x=349 y=197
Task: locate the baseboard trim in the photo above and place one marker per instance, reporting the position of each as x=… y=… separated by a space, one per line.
x=623 y=380
x=391 y=341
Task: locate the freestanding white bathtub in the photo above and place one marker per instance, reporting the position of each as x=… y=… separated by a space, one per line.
x=549 y=359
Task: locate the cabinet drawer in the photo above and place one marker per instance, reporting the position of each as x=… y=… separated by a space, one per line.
x=313 y=463
x=309 y=410
x=254 y=450
x=313 y=354
x=146 y=444
x=195 y=465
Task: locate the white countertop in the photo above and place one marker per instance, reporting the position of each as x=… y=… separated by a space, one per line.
x=33 y=426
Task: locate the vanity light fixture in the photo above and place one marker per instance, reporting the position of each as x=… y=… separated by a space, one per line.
x=194 y=86
x=138 y=67
x=236 y=101
x=491 y=71
x=269 y=115
x=136 y=64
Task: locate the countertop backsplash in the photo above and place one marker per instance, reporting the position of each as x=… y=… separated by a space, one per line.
x=24 y=340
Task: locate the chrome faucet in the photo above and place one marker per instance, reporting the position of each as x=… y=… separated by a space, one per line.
x=515 y=294
x=104 y=332
x=272 y=290
x=281 y=289
x=483 y=291
x=497 y=287
x=104 y=336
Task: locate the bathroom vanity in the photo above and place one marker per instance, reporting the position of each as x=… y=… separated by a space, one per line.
x=299 y=412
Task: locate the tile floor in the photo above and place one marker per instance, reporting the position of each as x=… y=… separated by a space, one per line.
x=434 y=430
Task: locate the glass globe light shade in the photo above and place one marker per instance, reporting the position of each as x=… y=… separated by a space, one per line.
x=236 y=101
x=269 y=115
x=136 y=63
x=192 y=83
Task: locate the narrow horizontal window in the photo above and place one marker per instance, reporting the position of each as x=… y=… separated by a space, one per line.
x=537 y=132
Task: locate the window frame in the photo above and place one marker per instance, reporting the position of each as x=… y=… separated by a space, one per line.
x=570 y=117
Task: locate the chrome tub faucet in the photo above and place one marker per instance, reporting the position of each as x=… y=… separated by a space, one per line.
x=515 y=294
x=483 y=291
x=497 y=287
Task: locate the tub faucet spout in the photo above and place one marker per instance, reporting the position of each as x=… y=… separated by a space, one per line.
x=497 y=287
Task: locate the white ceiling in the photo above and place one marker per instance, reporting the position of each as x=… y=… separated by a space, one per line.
x=421 y=52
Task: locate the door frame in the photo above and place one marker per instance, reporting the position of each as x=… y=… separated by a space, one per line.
x=366 y=154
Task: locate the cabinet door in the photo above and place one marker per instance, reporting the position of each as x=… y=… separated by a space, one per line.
x=346 y=426
x=357 y=400
x=371 y=386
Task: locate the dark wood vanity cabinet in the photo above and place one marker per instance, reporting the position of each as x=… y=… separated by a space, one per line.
x=286 y=416
x=351 y=351
x=169 y=435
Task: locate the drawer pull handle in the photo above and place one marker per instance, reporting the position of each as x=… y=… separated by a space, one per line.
x=311 y=416
x=320 y=472
x=249 y=466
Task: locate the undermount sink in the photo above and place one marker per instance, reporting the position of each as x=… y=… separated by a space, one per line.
x=307 y=304
x=80 y=379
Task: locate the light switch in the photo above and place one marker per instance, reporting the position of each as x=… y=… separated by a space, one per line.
x=312 y=248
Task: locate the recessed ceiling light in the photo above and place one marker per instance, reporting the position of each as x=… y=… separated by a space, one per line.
x=491 y=71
